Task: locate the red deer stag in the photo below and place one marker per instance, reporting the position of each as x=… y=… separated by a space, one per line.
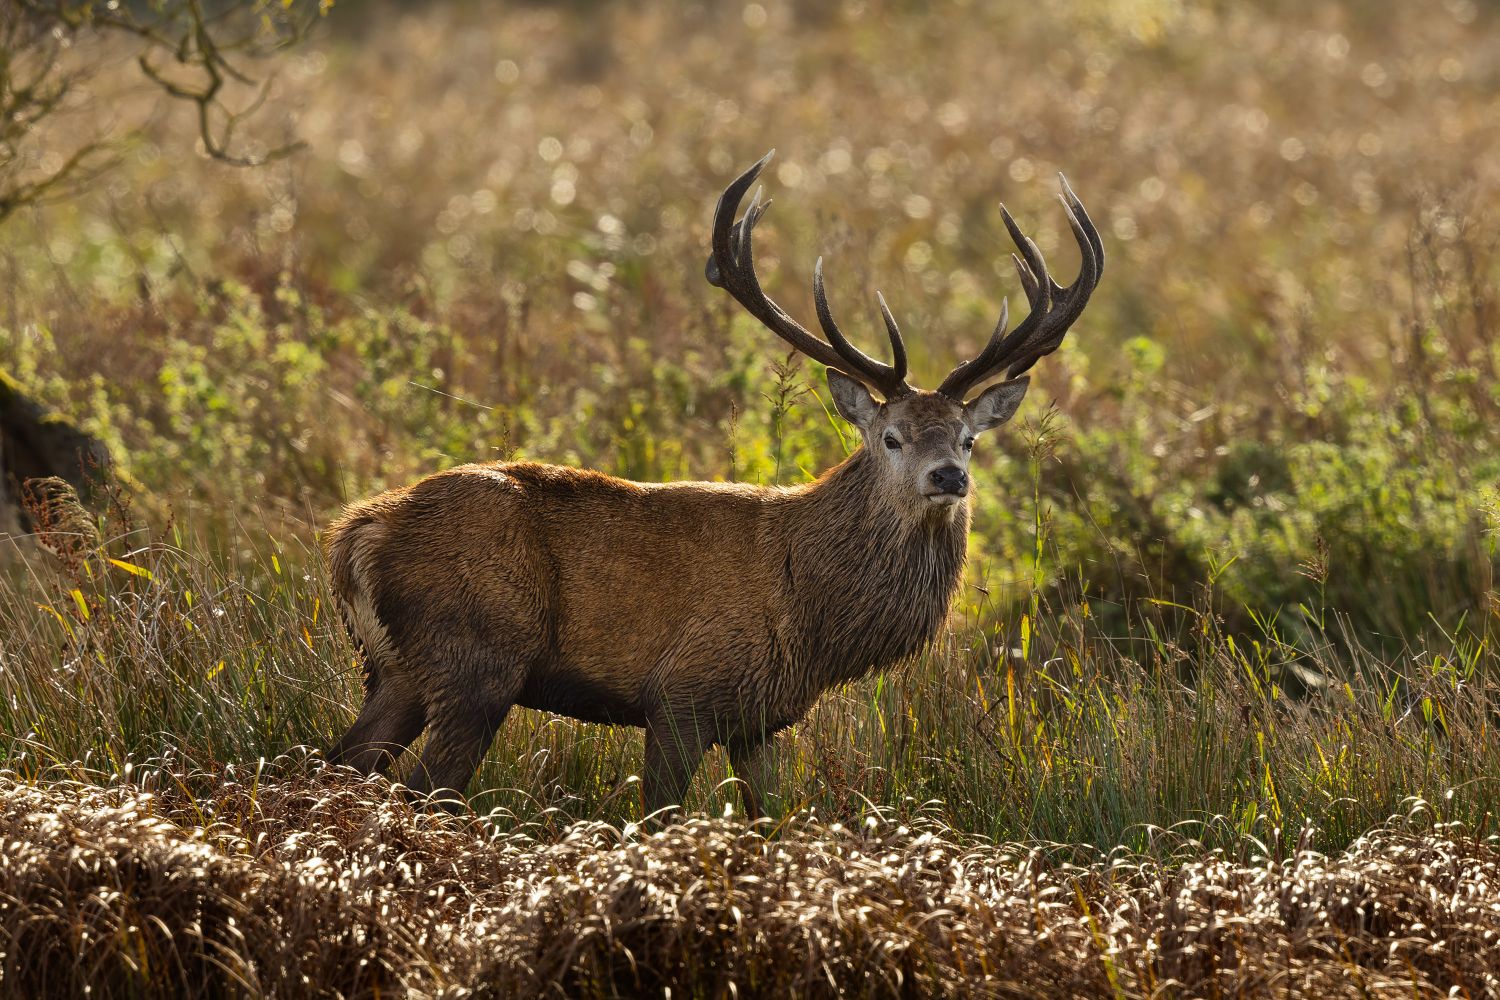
x=707 y=613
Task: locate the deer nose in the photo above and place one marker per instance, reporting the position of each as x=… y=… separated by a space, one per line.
x=949 y=479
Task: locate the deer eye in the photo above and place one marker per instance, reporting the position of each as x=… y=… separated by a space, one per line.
x=968 y=444
x=892 y=442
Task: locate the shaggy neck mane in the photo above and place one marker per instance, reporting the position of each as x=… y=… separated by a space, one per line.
x=872 y=584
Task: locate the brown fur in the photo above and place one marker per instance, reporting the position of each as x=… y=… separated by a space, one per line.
x=708 y=613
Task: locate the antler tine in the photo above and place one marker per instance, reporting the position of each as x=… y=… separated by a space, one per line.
x=898 y=346
x=1076 y=296
x=1083 y=216
x=959 y=381
x=732 y=267
x=1040 y=281
x=1037 y=282
x=1028 y=279
x=889 y=379
x=744 y=251
x=1053 y=308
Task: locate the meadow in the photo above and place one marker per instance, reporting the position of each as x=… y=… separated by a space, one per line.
x=1215 y=714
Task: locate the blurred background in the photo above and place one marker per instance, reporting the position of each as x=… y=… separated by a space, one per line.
x=476 y=231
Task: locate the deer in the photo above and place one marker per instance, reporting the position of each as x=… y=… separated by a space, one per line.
x=709 y=614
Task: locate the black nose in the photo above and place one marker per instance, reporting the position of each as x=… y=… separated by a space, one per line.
x=950 y=479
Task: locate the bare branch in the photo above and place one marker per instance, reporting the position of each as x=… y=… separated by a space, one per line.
x=207 y=52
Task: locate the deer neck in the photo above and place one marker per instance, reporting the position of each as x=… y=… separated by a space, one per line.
x=870 y=583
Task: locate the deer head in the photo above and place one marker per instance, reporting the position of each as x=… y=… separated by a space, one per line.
x=921 y=440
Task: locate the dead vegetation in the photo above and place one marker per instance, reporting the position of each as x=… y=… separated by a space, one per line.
x=289 y=880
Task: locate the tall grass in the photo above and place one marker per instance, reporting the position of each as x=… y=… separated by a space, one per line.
x=1042 y=727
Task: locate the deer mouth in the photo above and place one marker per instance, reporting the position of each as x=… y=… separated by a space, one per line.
x=945 y=499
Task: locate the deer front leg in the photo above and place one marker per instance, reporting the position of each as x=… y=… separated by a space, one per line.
x=455 y=747
x=755 y=765
x=392 y=717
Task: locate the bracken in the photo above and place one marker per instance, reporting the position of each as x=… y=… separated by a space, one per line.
x=296 y=881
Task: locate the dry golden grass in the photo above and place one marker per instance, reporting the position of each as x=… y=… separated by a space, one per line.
x=284 y=881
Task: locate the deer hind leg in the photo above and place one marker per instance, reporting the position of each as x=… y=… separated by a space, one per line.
x=673 y=752
x=754 y=764
x=462 y=729
x=392 y=717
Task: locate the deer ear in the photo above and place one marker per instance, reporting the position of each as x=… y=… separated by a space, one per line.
x=997 y=404
x=852 y=399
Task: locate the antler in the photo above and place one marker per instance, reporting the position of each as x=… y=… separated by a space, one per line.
x=732 y=268
x=1053 y=308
